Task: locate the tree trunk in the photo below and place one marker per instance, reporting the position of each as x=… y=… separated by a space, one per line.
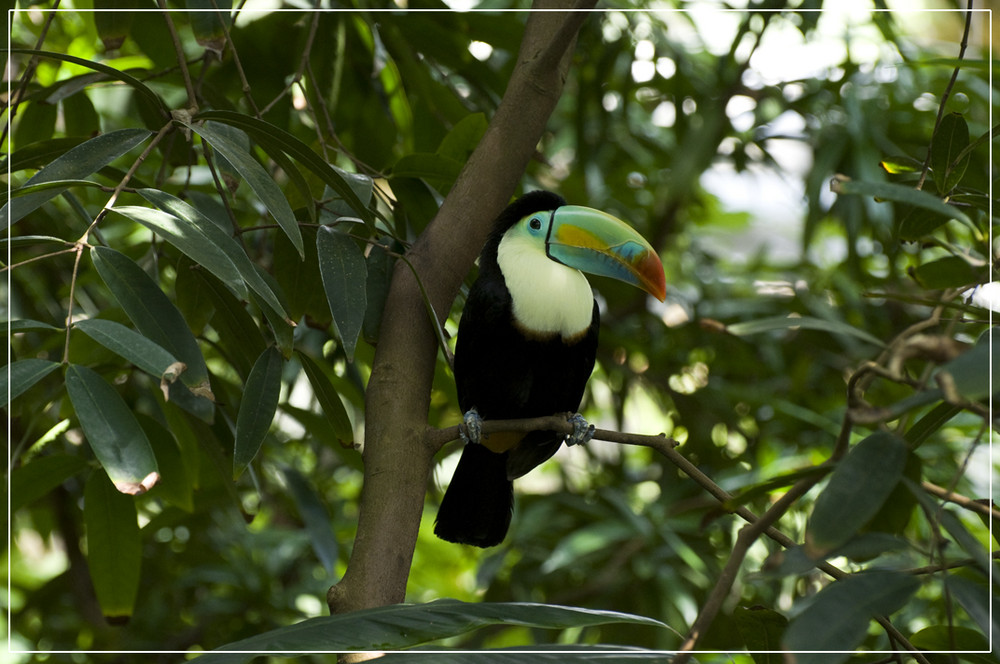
x=397 y=458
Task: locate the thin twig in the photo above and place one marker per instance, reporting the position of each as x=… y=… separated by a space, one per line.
x=181 y=60
x=29 y=72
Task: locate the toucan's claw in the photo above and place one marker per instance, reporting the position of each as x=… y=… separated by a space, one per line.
x=471 y=429
x=583 y=431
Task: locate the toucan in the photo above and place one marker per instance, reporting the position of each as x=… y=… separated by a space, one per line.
x=526 y=345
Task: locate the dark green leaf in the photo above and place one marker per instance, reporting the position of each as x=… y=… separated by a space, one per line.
x=36 y=123
x=113 y=24
x=271 y=138
x=80 y=115
x=23 y=374
x=950 y=139
x=889 y=191
x=259 y=180
x=260 y=400
x=435 y=168
x=336 y=205
x=176 y=484
x=237 y=329
x=947 y=272
x=76 y=164
x=117 y=440
x=38 y=477
x=315 y=516
x=329 y=401
x=137 y=349
x=344 y=273
x=155 y=316
x=761 y=631
x=210 y=26
x=299 y=279
x=856 y=491
x=463 y=137
x=380 y=263
x=189 y=240
x=405 y=625
x=970 y=372
x=977 y=600
x=930 y=423
x=114 y=549
x=837 y=619
x=211 y=233
x=942 y=638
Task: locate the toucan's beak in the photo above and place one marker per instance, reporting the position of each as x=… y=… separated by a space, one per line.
x=595 y=242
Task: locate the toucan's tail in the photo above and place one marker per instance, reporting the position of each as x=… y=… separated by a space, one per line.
x=476 y=507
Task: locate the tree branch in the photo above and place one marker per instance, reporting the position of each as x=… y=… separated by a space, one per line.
x=397 y=458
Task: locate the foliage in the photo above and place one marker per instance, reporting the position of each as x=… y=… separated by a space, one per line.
x=200 y=252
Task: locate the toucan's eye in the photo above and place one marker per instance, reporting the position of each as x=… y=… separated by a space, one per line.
x=535 y=224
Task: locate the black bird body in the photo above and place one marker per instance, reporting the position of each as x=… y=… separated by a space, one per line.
x=506 y=367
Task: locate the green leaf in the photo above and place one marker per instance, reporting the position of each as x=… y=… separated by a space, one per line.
x=272 y=138
x=435 y=168
x=947 y=272
x=970 y=372
x=23 y=374
x=76 y=164
x=238 y=331
x=126 y=342
x=463 y=138
x=41 y=475
x=113 y=25
x=761 y=631
x=35 y=123
x=114 y=547
x=213 y=234
x=316 y=518
x=298 y=279
x=176 y=483
x=154 y=315
x=950 y=140
x=856 y=491
x=190 y=241
x=806 y=322
x=260 y=400
x=837 y=619
x=330 y=403
x=900 y=193
x=923 y=428
x=59 y=185
x=405 y=625
x=982 y=605
x=380 y=263
x=944 y=638
x=209 y=27
x=344 y=273
x=118 y=442
x=257 y=177
x=900 y=164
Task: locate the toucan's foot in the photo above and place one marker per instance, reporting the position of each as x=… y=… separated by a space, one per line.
x=583 y=431
x=471 y=430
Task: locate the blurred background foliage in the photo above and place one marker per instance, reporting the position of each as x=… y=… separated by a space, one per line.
x=717 y=134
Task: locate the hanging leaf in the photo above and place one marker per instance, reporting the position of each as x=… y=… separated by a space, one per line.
x=329 y=401
x=237 y=330
x=315 y=516
x=947 y=272
x=260 y=400
x=761 y=631
x=837 y=620
x=41 y=475
x=126 y=342
x=259 y=180
x=856 y=491
x=889 y=191
x=344 y=273
x=114 y=547
x=950 y=140
x=23 y=374
x=117 y=440
x=190 y=241
x=76 y=164
x=804 y=322
x=176 y=485
x=210 y=26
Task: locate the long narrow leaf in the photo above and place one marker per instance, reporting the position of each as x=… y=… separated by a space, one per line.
x=405 y=625
x=805 y=322
x=114 y=549
x=129 y=344
x=23 y=374
x=328 y=400
x=260 y=400
x=216 y=236
x=118 y=441
x=189 y=240
x=315 y=516
x=41 y=475
x=271 y=137
x=259 y=180
x=76 y=164
x=344 y=273
x=900 y=193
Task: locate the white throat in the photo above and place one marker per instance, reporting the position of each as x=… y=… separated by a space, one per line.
x=547 y=297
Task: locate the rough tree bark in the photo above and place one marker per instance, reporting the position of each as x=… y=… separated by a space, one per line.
x=397 y=456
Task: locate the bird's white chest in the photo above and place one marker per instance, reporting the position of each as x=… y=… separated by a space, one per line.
x=547 y=297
